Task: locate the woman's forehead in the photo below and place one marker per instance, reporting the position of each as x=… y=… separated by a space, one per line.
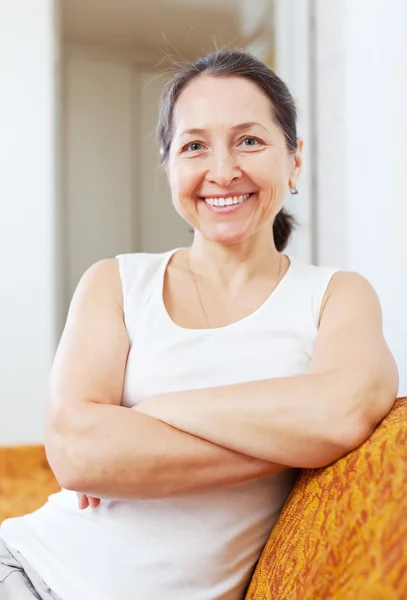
x=228 y=101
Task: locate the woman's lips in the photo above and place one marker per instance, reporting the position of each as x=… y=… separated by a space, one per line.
x=226 y=204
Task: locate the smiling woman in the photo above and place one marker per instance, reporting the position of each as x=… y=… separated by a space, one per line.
x=229 y=156
x=188 y=386
x=245 y=143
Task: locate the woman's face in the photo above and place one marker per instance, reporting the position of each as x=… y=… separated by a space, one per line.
x=229 y=168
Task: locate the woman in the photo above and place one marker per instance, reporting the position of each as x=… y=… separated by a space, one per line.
x=188 y=386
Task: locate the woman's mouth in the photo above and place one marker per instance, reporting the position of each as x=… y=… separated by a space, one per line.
x=226 y=203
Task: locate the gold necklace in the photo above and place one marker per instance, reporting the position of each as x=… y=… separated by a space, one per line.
x=205 y=314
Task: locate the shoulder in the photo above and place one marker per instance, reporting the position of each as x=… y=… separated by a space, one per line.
x=143 y=259
x=100 y=273
x=311 y=275
x=99 y=284
x=350 y=280
x=352 y=293
x=337 y=289
x=115 y=275
x=139 y=268
x=352 y=285
x=309 y=284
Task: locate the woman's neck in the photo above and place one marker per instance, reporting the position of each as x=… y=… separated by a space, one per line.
x=235 y=264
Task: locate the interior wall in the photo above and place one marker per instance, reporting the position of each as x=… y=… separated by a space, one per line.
x=29 y=205
x=99 y=192
x=293 y=49
x=159 y=226
x=362 y=131
x=117 y=198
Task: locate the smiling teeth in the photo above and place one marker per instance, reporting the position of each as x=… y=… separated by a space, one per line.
x=227 y=201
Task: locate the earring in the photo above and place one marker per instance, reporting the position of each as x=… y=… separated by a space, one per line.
x=293 y=191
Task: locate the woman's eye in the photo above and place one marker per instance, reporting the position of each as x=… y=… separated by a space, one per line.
x=193 y=147
x=250 y=142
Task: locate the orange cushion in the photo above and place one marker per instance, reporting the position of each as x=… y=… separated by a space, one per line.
x=343 y=532
x=26 y=480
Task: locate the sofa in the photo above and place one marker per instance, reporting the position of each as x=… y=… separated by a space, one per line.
x=342 y=534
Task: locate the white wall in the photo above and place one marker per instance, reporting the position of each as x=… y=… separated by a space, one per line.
x=116 y=197
x=362 y=100
x=293 y=56
x=28 y=248
x=160 y=227
x=99 y=162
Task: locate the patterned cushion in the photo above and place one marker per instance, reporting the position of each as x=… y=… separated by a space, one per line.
x=343 y=531
x=26 y=480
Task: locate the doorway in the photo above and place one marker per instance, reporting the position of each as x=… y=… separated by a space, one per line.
x=117 y=55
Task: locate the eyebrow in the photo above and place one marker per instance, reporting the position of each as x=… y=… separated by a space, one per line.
x=238 y=127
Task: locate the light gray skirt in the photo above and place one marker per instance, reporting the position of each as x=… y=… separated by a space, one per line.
x=18 y=580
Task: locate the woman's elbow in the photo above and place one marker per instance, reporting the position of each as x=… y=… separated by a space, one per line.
x=62 y=458
x=364 y=410
x=335 y=442
x=69 y=479
x=60 y=467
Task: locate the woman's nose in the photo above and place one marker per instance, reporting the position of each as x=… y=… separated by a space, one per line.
x=223 y=169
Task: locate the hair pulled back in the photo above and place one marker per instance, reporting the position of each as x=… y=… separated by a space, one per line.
x=235 y=63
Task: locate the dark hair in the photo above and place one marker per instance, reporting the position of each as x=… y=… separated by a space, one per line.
x=235 y=63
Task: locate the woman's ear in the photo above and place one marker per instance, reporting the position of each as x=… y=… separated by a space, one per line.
x=297 y=164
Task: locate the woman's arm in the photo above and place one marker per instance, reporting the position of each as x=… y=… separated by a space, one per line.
x=98 y=447
x=309 y=420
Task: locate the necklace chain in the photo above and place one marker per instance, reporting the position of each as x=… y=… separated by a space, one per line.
x=205 y=314
x=198 y=293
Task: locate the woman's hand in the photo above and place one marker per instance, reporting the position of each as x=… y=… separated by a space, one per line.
x=85 y=501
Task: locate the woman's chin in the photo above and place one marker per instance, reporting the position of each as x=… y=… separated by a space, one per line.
x=226 y=235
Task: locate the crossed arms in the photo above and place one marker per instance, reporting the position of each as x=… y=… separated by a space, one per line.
x=186 y=441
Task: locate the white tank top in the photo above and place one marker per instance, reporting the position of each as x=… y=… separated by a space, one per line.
x=198 y=546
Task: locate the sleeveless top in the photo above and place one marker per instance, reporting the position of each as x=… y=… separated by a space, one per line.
x=197 y=546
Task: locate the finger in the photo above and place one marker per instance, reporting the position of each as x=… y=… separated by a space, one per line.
x=93 y=502
x=83 y=501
